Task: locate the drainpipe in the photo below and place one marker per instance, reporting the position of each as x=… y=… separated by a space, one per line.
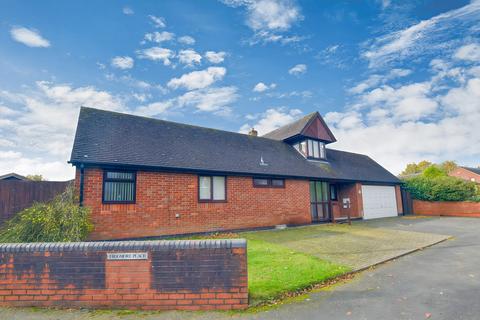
x=82 y=173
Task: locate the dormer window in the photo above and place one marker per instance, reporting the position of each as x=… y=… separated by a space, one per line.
x=312 y=149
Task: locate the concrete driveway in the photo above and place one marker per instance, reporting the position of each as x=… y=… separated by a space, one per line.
x=440 y=282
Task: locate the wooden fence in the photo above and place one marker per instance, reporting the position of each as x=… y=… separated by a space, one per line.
x=18 y=195
x=407 y=202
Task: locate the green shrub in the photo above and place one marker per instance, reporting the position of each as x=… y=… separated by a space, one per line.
x=58 y=220
x=433 y=172
x=441 y=188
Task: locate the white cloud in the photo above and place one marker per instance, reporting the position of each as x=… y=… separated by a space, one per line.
x=42 y=128
x=159 y=37
x=189 y=57
x=465 y=99
x=155 y=108
x=408 y=102
x=271 y=119
x=305 y=94
x=215 y=57
x=385 y=3
x=469 y=52
x=273 y=15
x=125 y=62
x=376 y=79
x=187 y=40
x=435 y=35
x=198 y=79
x=6 y=143
x=29 y=37
x=158 y=22
x=270 y=18
x=157 y=54
x=298 y=69
x=6 y=111
x=215 y=100
x=436 y=119
x=128 y=11
x=261 y=87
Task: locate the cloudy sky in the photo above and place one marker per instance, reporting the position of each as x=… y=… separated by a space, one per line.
x=397 y=80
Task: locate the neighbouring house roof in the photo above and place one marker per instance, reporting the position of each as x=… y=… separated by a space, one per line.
x=312 y=126
x=474 y=170
x=13 y=176
x=110 y=138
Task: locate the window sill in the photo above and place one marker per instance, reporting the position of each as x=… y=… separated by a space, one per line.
x=212 y=201
x=118 y=202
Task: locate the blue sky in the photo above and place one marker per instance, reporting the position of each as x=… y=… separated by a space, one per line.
x=399 y=81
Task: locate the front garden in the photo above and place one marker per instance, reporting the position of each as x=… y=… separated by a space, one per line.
x=280 y=262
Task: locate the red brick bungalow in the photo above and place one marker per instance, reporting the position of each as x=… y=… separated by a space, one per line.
x=144 y=177
x=466 y=173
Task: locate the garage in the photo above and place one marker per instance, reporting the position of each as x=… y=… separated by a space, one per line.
x=379 y=202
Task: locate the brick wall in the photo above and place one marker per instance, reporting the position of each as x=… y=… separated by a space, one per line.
x=444 y=208
x=161 y=196
x=183 y=275
x=464 y=174
x=350 y=190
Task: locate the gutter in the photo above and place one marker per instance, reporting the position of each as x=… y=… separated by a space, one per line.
x=82 y=178
x=220 y=172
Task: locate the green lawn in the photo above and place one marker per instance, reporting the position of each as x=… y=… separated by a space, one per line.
x=357 y=246
x=274 y=270
x=283 y=261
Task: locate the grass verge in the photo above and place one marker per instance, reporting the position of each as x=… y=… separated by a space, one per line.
x=274 y=270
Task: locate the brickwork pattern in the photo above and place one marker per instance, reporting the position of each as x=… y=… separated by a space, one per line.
x=444 y=208
x=167 y=204
x=181 y=275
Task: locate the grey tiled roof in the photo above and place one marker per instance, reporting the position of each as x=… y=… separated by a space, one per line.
x=109 y=138
x=474 y=170
x=291 y=129
x=13 y=176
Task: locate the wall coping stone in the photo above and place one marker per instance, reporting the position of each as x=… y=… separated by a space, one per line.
x=152 y=245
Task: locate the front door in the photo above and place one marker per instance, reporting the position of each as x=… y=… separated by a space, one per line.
x=320 y=201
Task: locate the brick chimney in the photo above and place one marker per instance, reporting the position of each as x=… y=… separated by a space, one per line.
x=253 y=132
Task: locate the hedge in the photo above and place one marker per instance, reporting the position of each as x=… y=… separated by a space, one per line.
x=59 y=220
x=441 y=188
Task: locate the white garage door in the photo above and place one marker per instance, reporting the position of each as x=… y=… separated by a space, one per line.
x=379 y=202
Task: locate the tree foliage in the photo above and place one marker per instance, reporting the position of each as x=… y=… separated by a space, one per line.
x=448 y=166
x=433 y=172
x=440 y=188
x=418 y=168
x=415 y=168
x=58 y=220
x=36 y=177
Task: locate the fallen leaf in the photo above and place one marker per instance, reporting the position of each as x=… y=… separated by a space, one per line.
x=427 y=315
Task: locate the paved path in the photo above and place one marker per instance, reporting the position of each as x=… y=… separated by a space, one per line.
x=441 y=282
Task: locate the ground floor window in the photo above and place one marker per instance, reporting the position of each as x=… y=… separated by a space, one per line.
x=268 y=182
x=333 y=192
x=212 y=188
x=119 y=186
x=319 y=200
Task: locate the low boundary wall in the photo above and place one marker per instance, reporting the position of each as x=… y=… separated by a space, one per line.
x=151 y=275
x=447 y=208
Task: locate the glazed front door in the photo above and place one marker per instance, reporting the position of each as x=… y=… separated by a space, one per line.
x=319 y=201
